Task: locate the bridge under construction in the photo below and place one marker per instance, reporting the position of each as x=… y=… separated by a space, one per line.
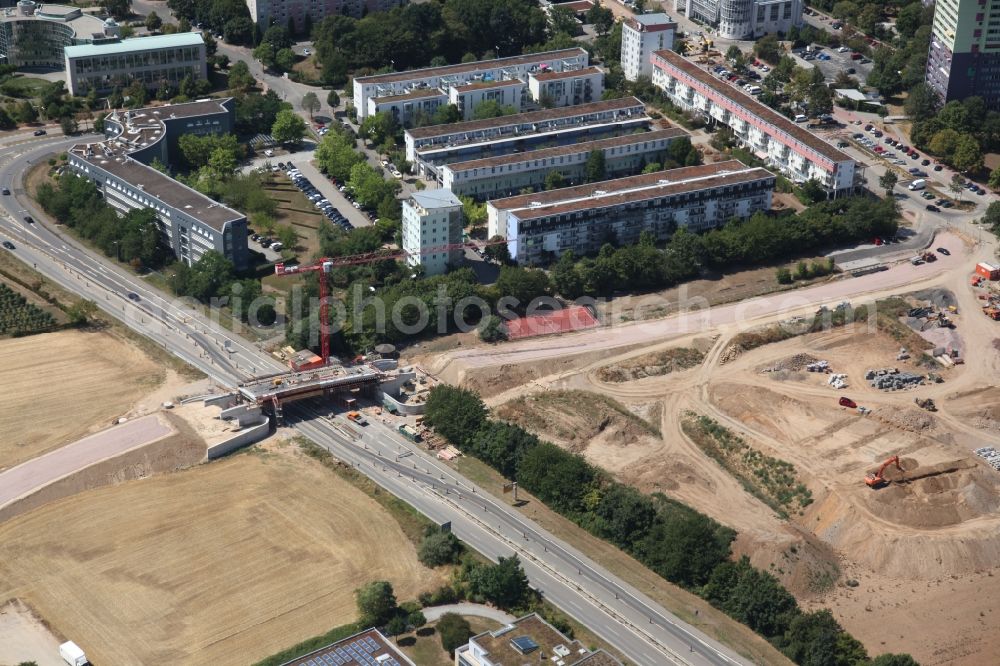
x=272 y=391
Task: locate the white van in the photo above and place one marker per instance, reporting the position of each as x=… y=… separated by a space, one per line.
x=755 y=90
x=800 y=118
x=918 y=184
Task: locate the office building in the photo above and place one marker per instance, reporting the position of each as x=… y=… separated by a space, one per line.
x=192 y=223
x=278 y=12
x=508 y=174
x=567 y=88
x=367 y=648
x=964 y=55
x=34 y=35
x=443 y=78
x=432 y=219
x=529 y=640
x=541 y=226
x=786 y=145
x=641 y=36
x=428 y=147
x=152 y=60
x=744 y=19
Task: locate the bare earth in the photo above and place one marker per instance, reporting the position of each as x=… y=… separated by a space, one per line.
x=23 y=637
x=924 y=551
x=59 y=386
x=222 y=564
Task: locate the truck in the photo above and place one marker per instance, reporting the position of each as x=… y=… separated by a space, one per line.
x=357 y=417
x=988 y=271
x=409 y=433
x=72 y=654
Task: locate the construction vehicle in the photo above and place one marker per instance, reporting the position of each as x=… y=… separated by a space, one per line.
x=926 y=403
x=929 y=257
x=847 y=402
x=992 y=312
x=357 y=418
x=875 y=480
x=409 y=433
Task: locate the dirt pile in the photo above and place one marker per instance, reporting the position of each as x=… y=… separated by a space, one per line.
x=651 y=365
x=792 y=363
x=911 y=420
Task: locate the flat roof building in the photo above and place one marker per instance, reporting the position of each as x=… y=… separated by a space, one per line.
x=468 y=96
x=964 y=54
x=567 y=88
x=363 y=649
x=432 y=220
x=191 y=223
x=440 y=144
x=529 y=640
x=541 y=226
x=641 y=36
x=505 y=175
x=409 y=107
x=34 y=35
x=500 y=69
x=152 y=60
x=278 y=12
x=774 y=138
x=744 y=19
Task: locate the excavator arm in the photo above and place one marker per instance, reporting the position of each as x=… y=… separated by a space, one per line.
x=875 y=479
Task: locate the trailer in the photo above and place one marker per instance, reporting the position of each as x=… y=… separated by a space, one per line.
x=409 y=433
x=988 y=271
x=72 y=654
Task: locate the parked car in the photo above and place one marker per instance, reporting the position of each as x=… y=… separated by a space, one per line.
x=6 y=192
x=947 y=204
x=40 y=132
x=932 y=208
x=9 y=245
x=843 y=49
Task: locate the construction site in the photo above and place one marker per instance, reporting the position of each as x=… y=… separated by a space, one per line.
x=884 y=430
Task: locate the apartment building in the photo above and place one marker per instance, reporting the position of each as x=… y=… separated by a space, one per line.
x=409 y=107
x=567 y=88
x=508 y=174
x=443 y=78
x=34 y=35
x=192 y=223
x=793 y=149
x=641 y=36
x=744 y=19
x=151 y=60
x=541 y=226
x=278 y=12
x=964 y=55
x=429 y=147
x=467 y=96
x=432 y=219
x=529 y=640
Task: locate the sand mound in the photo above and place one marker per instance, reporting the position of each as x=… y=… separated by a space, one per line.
x=792 y=363
x=651 y=365
x=912 y=420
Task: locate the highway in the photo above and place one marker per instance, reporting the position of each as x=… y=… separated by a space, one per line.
x=642 y=631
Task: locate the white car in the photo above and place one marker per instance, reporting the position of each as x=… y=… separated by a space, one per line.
x=843 y=49
x=269 y=153
x=396 y=173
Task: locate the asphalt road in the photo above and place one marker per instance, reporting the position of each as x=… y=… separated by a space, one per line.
x=643 y=631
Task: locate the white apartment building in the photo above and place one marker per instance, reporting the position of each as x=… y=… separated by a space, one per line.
x=743 y=19
x=567 y=88
x=264 y=12
x=148 y=59
x=542 y=225
x=500 y=69
x=793 y=149
x=468 y=96
x=508 y=174
x=432 y=219
x=641 y=36
x=407 y=108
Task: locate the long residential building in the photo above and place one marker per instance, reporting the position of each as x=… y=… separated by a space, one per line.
x=964 y=54
x=441 y=144
x=508 y=174
x=301 y=12
x=192 y=223
x=541 y=226
x=443 y=78
x=152 y=60
x=774 y=138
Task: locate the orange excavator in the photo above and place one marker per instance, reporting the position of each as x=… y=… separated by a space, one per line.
x=875 y=479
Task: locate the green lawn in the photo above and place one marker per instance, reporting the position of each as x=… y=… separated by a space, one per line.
x=22 y=87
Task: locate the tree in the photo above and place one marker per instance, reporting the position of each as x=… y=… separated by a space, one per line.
x=994 y=182
x=522 y=284
x=288 y=127
x=333 y=99
x=6 y=120
x=82 y=311
x=368 y=185
x=594 y=170
x=492 y=109
x=266 y=53
x=416 y=619
x=454 y=413
x=153 y=22
x=602 y=18
x=438 y=548
x=497 y=251
x=69 y=125
x=379 y=128
x=768 y=49
x=336 y=155
x=895 y=659
x=240 y=78
x=504 y=584
x=734 y=54
x=888 y=181
x=25 y=112
x=491 y=329
x=238 y=30
x=120 y=9
x=968 y=156
x=944 y=143
x=376 y=602
x=554 y=180
x=563 y=21
x=956 y=186
x=922 y=102
x=285 y=59
x=991 y=219
x=396 y=626
x=454 y=631
x=310 y=103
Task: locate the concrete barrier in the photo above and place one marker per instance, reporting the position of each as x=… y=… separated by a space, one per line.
x=245 y=437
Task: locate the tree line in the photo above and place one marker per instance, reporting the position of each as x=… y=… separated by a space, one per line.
x=680 y=544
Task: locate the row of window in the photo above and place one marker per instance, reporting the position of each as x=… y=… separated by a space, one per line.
x=132 y=60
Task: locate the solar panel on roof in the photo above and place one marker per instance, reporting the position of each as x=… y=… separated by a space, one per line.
x=524 y=644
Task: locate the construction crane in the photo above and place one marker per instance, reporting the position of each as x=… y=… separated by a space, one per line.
x=875 y=480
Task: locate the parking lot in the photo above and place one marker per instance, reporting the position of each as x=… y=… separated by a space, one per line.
x=831 y=62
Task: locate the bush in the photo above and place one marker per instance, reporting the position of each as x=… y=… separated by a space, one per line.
x=439 y=548
x=454 y=631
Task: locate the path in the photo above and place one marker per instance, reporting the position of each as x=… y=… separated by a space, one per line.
x=31 y=476
x=434 y=613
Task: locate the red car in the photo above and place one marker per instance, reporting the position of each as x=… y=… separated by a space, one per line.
x=847 y=402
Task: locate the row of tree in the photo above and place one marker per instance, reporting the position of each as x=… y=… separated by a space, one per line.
x=677 y=542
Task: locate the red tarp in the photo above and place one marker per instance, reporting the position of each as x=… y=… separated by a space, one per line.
x=560 y=321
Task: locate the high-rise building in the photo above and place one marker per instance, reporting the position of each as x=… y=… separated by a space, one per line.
x=743 y=19
x=641 y=35
x=280 y=12
x=432 y=220
x=964 y=55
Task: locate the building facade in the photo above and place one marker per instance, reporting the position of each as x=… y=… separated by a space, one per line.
x=432 y=219
x=508 y=174
x=428 y=147
x=641 y=36
x=191 y=223
x=541 y=226
x=567 y=88
x=796 y=151
x=529 y=640
x=33 y=35
x=744 y=19
x=468 y=96
x=964 y=55
x=278 y=12
x=152 y=60
x=443 y=78
x=408 y=108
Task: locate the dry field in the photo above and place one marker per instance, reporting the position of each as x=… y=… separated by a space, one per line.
x=222 y=564
x=59 y=386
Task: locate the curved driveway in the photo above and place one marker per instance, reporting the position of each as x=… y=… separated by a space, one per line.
x=434 y=613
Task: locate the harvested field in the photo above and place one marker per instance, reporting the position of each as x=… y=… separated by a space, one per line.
x=651 y=365
x=59 y=386
x=222 y=564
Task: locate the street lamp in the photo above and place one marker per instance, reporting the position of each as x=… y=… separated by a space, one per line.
x=118 y=253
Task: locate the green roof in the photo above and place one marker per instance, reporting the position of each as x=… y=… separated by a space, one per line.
x=136 y=44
